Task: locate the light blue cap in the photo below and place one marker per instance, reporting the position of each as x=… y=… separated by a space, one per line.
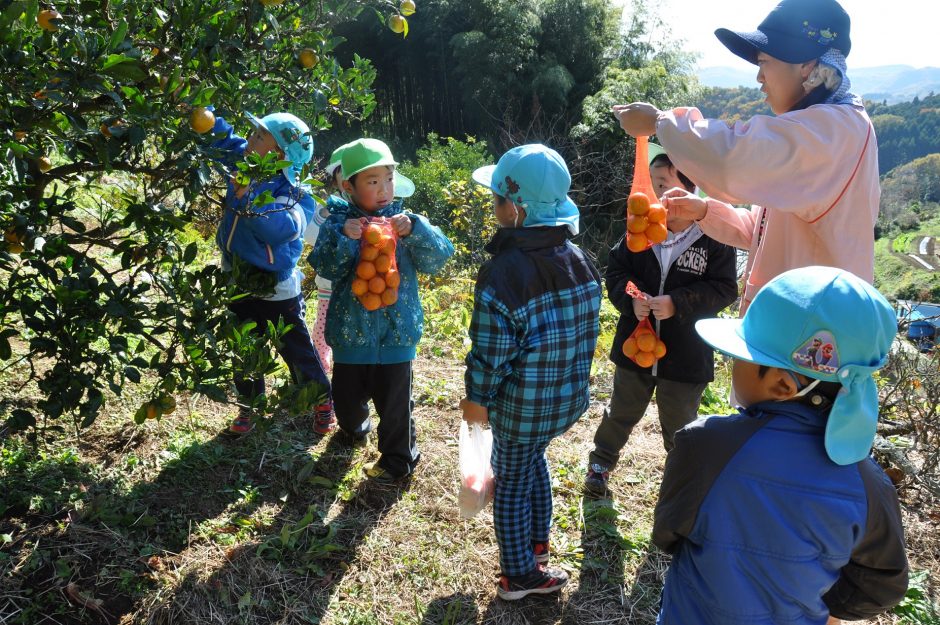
x=292 y=136
x=824 y=323
x=536 y=178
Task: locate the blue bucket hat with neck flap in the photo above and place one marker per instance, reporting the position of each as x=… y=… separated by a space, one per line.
x=826 y=324
x=536 y=178
x=293 y=136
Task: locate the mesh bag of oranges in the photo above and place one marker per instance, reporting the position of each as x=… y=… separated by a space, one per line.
x=646 y=217
x=642 y=346
x=377 y=278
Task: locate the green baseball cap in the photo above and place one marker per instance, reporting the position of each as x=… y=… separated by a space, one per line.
x=654 y=151
x=362 y=154
x=336 y=160
x=366 y=153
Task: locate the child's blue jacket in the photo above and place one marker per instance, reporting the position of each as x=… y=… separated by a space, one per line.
x=391 y=333
x=766 y=530
x=270 y=236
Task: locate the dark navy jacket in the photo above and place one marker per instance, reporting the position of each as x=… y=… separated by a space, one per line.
x=534 y=329
x=701 y=280
x=766 y=530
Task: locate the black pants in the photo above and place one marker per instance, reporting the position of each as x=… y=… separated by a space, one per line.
x=296 y=348
x=389 y=388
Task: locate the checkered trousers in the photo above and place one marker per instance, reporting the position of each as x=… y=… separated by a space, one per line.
x=522 y=508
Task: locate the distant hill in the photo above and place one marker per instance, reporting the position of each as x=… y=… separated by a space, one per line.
x=891 y=83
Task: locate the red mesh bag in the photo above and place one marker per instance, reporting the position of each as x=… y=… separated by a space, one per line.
x=377 y=279
x=646 y=217
x=642 y=346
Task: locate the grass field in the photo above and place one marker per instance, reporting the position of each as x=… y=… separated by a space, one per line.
x=171 y=522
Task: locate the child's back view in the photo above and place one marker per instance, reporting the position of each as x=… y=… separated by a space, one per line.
x=534 y=329
x=777 y=514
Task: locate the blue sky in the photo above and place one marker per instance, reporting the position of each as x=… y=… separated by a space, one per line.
x=896 y=32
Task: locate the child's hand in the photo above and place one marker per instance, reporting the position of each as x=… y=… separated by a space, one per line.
x=401 y=223
x=353 y=229
x=474 y=412
x=662 y=307
x=240 y=189
x=681 y=204
x=833 y=621
x=641 y=308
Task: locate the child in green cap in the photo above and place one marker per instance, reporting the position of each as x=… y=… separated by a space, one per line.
x=373 y=349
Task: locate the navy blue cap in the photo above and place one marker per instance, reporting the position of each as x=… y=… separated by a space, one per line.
x=795 y=31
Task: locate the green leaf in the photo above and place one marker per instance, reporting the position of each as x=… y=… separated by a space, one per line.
x=114 y=59
x=126 y=68
x=117 y=37
x=190 y=254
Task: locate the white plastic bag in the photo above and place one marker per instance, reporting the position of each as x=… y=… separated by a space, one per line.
x=476 y=472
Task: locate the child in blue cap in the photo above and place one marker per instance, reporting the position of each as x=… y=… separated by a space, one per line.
x=373 y=350
x=534 y=329
x=269 y=238
x=778 y=514
x=687 y=277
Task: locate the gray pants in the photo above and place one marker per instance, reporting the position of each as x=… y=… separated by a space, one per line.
x=678 y=404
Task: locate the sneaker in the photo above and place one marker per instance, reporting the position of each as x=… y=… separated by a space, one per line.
x=379 y=474
x=541 y=551
x=324 y=419
x=352 y=440
x=595 y=482
x=540 y=581
x=242 y=424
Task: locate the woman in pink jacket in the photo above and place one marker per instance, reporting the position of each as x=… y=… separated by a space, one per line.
x=810 y=172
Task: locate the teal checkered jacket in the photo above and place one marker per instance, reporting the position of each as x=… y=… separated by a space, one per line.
x=390 y=334
x=534 y=329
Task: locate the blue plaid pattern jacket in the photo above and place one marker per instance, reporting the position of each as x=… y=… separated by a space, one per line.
x=534 y=330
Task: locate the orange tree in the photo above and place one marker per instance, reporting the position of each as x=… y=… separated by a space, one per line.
x=103 y=179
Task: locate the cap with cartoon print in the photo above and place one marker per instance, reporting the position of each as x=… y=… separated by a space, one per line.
x=826 y=324
x=293 y=136
x=536 y=178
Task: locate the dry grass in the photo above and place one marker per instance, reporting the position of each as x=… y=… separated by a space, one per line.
x=205 y=545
